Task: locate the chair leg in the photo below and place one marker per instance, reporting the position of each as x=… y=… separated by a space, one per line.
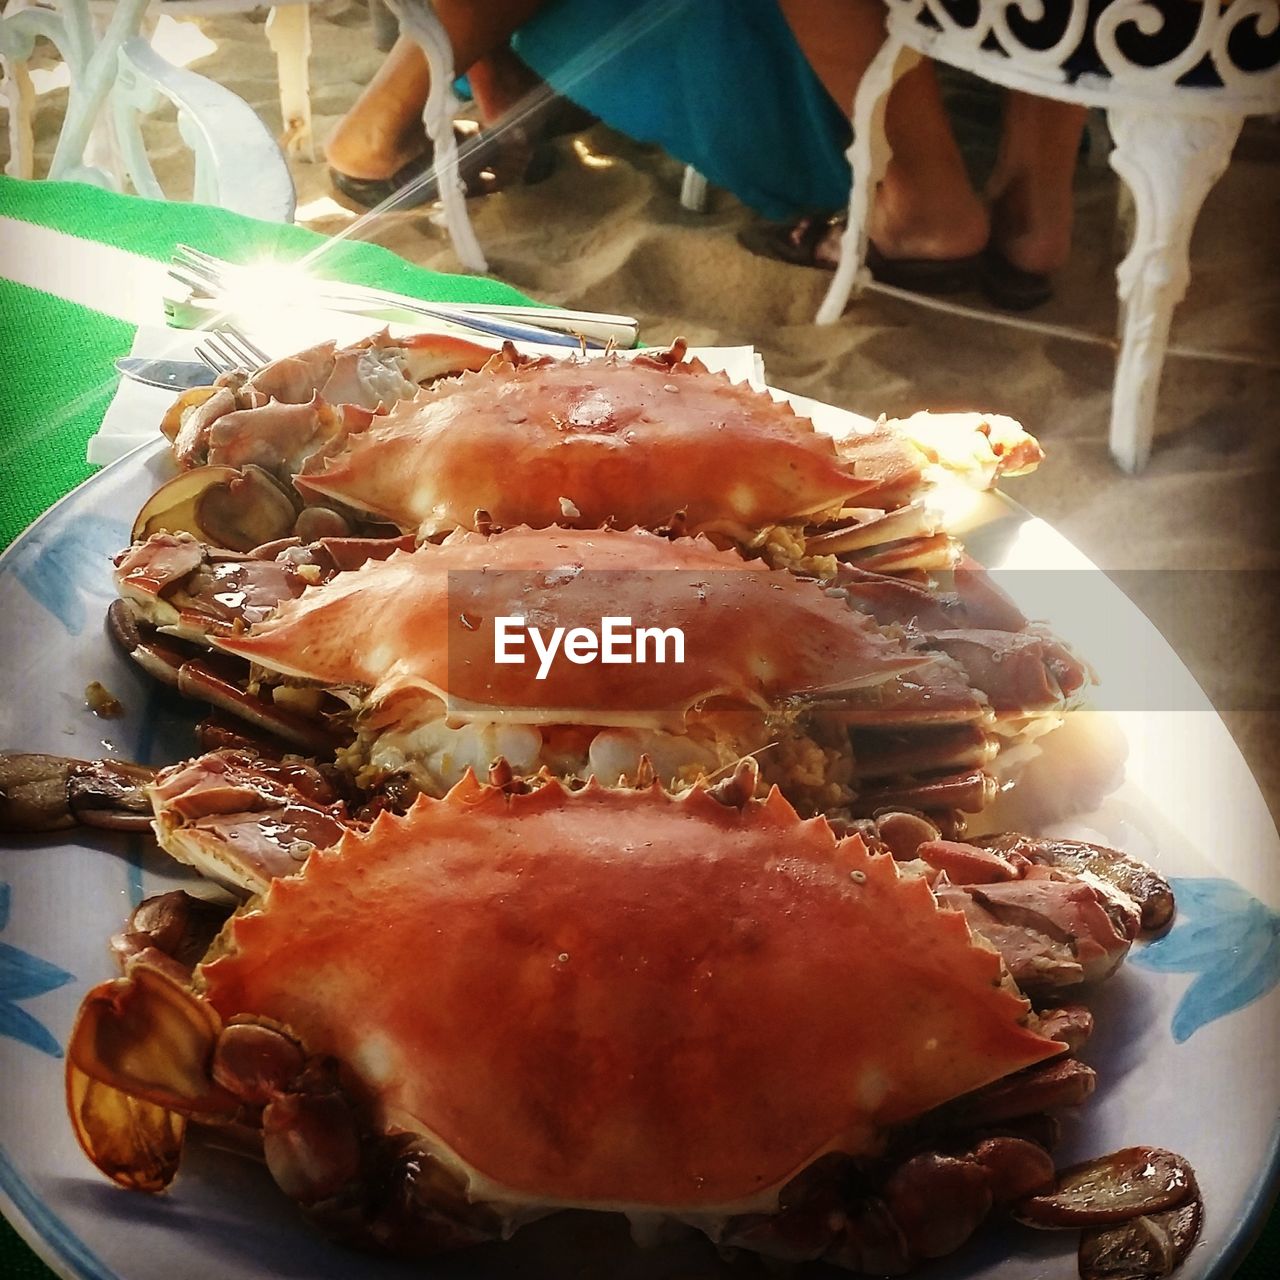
x=419 y=22
x=91 y=84
x=693 y=190
x=868 y=157
x=1169 y=162
x=20 y=98
x=289 y=35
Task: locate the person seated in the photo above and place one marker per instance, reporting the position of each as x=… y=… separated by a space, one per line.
x=379 y=147
x=754 y=94
x=720 y=84
x=929 y=229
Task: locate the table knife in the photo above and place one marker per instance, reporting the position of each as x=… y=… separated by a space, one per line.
x=173 y=375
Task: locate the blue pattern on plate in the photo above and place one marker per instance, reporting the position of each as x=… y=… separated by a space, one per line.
x=22 y=977
x=1228 y=939
x=76 y=1256
x=60 y=563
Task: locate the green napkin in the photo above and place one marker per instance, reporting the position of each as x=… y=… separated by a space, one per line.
x=55 y=356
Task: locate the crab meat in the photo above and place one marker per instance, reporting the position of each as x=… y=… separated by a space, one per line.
x=719 y=953
x=298 y=405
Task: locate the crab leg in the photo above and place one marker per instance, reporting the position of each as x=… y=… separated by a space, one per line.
x=52 y=793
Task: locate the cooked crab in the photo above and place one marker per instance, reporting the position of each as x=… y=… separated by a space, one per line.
x=652 y=976
x=656 y=441
x=1059 y=912
x=922 y=733
x=414 y=640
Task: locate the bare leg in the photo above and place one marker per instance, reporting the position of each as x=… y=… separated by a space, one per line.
x=1030 y=189
x=382 y=131
x=926 y=206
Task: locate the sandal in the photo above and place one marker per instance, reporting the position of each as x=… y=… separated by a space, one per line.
x=938 y=276
x=813 y=240
x=1011 y=288
x=488 y=161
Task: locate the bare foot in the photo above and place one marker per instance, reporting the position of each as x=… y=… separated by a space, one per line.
x=1031 y=223
x=362 y=150
x=910 y=221
x=1031 y=189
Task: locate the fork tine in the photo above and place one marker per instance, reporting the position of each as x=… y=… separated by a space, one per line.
x=217 y=354
x=194 y=279
x=226 y=348
x=234 y=339
x=198 y=271
x=185 y=253
x=214 y=362
x=197 y=255
x=220 y=348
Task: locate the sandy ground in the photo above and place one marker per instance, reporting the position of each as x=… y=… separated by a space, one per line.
x=606 y=231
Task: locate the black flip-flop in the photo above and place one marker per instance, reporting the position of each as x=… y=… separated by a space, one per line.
x=925 y=275
x=478 y=177
x=800 y=243
x=1009 y=287
x=371 y=192
x=797 y=242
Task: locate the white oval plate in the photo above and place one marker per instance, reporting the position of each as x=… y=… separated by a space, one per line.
x=1187 y=1034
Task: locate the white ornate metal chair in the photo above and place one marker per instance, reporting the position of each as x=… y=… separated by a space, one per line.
x=288 y=30
x=114 y=76
x=419 y=22
x=1176 y=86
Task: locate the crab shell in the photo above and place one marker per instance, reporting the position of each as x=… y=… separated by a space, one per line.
x=592 y=443
x=425 y=621
x=621 y=999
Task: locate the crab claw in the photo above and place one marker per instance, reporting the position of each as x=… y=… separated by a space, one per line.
x=1051 y=933
x=138 y=1064
x=978 y=448
x=1152 y=1245
x=148 y=1034
x=242 y=820
x=136 y=1143
x=1125 y=1184
x=222 y=507
x=1129 y=877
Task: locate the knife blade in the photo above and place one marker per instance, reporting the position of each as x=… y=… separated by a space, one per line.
x=173 y=375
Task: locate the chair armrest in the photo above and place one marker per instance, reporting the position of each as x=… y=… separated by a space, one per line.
x=238 y=164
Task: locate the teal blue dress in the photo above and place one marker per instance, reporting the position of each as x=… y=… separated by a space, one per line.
x=719 y=84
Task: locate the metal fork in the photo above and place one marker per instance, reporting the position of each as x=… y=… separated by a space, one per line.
x=205 y=276
x=226 y=348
